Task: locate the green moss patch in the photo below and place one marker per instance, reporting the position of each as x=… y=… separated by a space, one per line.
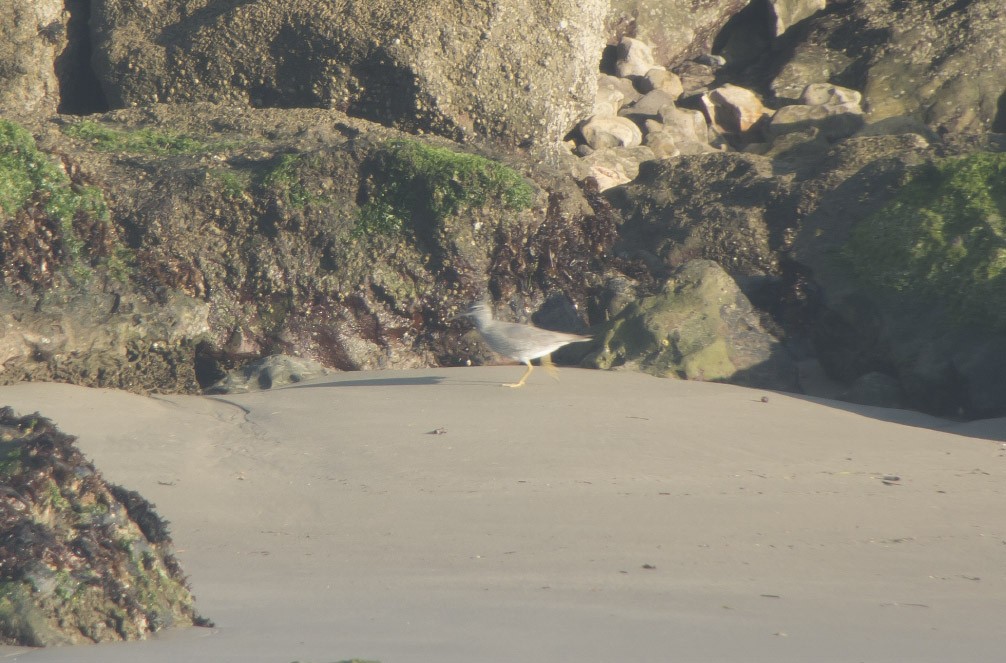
x=411 y=177
x=144 y=141
x=942 y=239
x=284 y=180
x=40 y=208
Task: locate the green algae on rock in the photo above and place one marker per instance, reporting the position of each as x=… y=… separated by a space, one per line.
x=420 y=178
x=698 y=327
x=143 y=141
x=49 y=222
x=80 y=560
x=942 y=239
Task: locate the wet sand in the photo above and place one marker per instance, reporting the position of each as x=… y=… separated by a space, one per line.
x=610 y=516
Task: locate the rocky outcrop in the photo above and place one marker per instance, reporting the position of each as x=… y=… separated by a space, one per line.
x=80 y=560
x=905 y=245
x=296 y=232
x=937 y=62
x=729 y=208
x=676 y=29
x=521 y=73
x=32 y=34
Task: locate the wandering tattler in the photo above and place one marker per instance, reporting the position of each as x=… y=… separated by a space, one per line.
x=520 y=342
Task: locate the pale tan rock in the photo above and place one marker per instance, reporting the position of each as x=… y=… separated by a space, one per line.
x=659 y=78
x=687 y=128
x=635 y=58
x=608 y=101
x=734 y=110
x=820 y=94
x=613 y=166
x=611 y=131
x=662 y=143
x=649 y=104
x=786 y=13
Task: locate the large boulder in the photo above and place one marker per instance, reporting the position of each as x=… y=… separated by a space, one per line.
x=32 y=34
x=82 y=560
x=699 y=326
x=518 y=72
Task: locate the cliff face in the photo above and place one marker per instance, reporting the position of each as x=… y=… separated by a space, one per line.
x=335 y=179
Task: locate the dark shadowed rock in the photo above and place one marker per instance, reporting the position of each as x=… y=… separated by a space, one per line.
x=910 y=274
x=728 y=208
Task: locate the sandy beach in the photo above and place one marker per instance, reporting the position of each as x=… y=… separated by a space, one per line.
x=432 y=516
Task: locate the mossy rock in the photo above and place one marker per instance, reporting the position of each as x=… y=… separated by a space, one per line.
x=48 y=221
x=698 y=327
x=82 y=560
x=941 y=241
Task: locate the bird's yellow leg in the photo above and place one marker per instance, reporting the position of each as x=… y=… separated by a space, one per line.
x=523 y=378
x=546 y=363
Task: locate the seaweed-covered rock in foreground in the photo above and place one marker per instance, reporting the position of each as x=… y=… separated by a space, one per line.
x=80 y=560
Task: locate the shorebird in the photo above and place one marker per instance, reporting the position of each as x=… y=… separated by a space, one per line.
x=517 y=341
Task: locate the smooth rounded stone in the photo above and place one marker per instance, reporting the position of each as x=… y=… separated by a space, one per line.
x=612 y=166
x=834 y=122
x=662 y=144
x=268 y=372
x=695 y=77
x=635 y=58
x=649 y=104
x=826 y=94
x=735 y=110
x=688 y=129
x=786 y=13
x=809 y=64
x=623 y=85
x=659 y=78
x=601 y=131
x=607 y=101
